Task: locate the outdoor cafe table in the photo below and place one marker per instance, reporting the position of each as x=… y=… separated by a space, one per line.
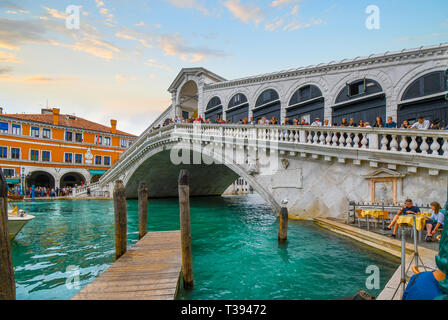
x=377 y=214
x=419 y=219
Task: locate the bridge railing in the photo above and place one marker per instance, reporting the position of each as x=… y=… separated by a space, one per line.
x=425 y=142
x=429 y=143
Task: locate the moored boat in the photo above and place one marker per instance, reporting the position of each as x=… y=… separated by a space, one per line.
x=17 y=219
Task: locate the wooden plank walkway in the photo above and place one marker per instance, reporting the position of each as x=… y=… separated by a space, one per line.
x=150 y=270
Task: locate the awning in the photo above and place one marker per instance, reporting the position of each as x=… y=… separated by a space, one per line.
x=13 y=181
x=97 y=172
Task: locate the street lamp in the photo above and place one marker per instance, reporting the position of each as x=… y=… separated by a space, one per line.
x=22 y=174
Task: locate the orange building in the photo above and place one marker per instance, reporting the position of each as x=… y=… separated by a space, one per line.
x=56 y=150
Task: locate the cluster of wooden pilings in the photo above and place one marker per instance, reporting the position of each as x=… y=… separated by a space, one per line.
x=185 y=221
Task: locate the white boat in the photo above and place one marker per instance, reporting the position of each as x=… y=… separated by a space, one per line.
x=17 y=219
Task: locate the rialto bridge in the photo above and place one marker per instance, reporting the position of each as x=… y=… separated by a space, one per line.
x=318 y=169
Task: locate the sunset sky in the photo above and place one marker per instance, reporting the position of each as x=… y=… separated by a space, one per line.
x=125 y=55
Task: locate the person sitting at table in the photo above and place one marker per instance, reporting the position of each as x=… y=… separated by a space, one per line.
x=407 y=208
x=436 y=221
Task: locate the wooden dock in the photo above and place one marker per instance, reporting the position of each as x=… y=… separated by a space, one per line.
x=150 y=270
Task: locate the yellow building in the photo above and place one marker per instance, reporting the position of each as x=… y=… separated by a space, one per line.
x=56 y=150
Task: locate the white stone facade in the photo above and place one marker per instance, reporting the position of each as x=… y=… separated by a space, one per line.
x=394 y=71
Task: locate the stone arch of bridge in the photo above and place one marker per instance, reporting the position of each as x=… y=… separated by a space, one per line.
x=156 y=169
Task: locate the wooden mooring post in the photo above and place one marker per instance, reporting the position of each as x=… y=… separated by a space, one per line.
x=142 y=210
x=7 y=283
x=283 y=225
x=185 y=228
x=120 y=219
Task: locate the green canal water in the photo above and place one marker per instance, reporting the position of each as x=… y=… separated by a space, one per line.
x=235 y=250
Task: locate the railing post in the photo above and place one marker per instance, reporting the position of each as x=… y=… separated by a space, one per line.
x=373 y=141
x=185 y=228
x=120 y=219
x=142 y=210
x=283 y=225
x=7 y=283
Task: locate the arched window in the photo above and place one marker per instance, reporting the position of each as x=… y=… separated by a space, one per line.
x=268 y=105
x=425 y=97
x=307 y=103
x=362 y=99
x=238 y=108
x=214 y=110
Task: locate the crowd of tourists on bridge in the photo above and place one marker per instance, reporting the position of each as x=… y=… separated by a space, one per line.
x=420 y=124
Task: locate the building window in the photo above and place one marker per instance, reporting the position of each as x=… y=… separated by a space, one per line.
x=68 y=136
x=123 y=143
x=357 y=88
x=131 y=143
x=107 y=141
x=34 y=155
x=68 y=158
x=107 y=161
x=78 y=158
x=100 y=139
x=4 y=127
x=17 y=129
x=78 y=137
x=9 y=172
x=46 y=133
x=35 y=132
x=46 y=156
x=98 y=160
x=15 y=153
x=3 y=152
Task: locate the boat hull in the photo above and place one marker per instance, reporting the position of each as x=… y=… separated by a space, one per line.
x=15 y=224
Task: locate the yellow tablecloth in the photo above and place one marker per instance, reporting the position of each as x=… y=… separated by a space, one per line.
x=378 y=214
x=409 y=220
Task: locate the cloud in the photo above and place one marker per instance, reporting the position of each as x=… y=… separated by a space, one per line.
x=9 y=5
x=9 y=57
x=15 y=32
x=104 y=11
x=296 y=25
x=176 y=45
x=4 y=71
x=133 y=35
x=44 y=79
x=123 y=78
x=55 y=13
x=99 y=48
x=247 y=13
x=191 y=4
x=274 y=26
x=279 y=3
x=152 y=63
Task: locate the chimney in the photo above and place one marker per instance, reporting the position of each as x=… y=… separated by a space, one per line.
x=56 y=116
x=113 y=126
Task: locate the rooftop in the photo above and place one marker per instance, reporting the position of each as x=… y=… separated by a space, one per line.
x=65 y=120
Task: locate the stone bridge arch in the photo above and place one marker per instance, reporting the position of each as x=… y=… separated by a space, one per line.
x=156 y=169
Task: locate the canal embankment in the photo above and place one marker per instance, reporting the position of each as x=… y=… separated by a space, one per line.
x=385 y=244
